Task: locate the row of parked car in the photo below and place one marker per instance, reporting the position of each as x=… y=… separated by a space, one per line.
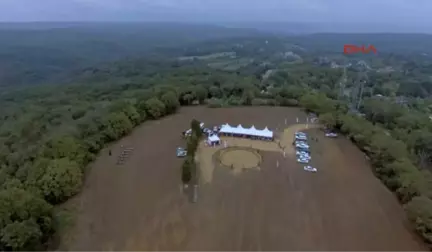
x=303 y=150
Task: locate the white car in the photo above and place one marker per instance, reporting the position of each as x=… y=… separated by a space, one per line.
x=302 y=146
x=302 y=153
x=331 y=135
x=301 y=138
x=303 y=160
x=310 y=168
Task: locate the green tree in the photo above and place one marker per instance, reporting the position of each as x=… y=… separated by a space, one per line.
x=329 y=120
x=128 y=109
x=201 y=93
x=25 y=219
x=21 y=235
x=170 y=101
x=187 y=170
x=141 y=108
x=65 y=146
x=117 y=125
x=155 y=108
x=62 y=179
x=247 y=97
x=196 y=129
x=215 y=92
x=419 y=211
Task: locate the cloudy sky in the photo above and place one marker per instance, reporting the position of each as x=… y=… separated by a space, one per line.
x=409 y=12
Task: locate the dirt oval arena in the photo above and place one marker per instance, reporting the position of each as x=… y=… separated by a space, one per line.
x=140 y=205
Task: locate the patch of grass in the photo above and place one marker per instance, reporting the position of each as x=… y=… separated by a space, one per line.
x=64 y=217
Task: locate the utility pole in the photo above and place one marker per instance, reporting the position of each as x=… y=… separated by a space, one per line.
x=363 y=78
x=360 y=95
x=342 y=84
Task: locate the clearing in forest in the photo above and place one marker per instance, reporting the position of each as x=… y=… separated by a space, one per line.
x=138 y=205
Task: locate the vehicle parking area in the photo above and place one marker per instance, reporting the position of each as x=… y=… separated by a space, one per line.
x=140 y=206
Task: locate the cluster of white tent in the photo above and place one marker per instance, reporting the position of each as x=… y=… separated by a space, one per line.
x=265 y=133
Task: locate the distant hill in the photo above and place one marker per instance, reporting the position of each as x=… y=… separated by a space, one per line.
x=38 y=52
x=32 y=53
x=327 y=27
x=384 y=42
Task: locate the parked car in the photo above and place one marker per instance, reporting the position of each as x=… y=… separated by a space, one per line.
x=303 y=160
x=310 y=168
x=302 y=153
x=299 y=133
x=181 y=152
x=302 y=146
x=300 y=142
x=301 y=138
x=331 y=134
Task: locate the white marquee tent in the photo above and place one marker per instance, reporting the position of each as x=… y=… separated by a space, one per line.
x=213 y=140
x=252 y=131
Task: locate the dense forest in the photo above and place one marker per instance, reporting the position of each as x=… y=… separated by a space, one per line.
x=50 y=132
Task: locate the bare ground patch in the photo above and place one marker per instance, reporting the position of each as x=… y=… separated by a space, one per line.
x=138 y=206
x=238 y=158
x=206 y=154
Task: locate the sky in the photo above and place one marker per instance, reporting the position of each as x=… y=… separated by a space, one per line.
x=391 y=12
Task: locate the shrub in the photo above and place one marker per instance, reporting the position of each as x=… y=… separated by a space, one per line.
x=419 y=211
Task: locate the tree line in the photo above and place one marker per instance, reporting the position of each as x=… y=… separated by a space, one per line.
x=36 y=178
x=189 y=167
x=50 y=133
x=390 y=158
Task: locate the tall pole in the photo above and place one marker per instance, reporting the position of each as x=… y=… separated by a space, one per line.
x=364 y=79
x=342 y=84
x=361 y=95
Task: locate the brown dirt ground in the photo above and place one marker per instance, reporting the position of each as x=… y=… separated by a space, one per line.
x=238 y=159
x=206 y=154
x=139 y=205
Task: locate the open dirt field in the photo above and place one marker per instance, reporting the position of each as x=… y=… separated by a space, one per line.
x=139 y=205
x=238 y=159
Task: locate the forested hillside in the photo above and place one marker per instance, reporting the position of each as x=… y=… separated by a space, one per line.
x=36 y=54
x=50 y=132
x=41 y=53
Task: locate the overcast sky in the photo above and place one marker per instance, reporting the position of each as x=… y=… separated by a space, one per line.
x=412 y=12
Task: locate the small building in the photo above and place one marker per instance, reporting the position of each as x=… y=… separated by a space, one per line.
x=213 y=140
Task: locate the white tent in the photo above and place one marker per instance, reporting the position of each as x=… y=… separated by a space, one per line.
x=213 y=140
x=252 y=131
